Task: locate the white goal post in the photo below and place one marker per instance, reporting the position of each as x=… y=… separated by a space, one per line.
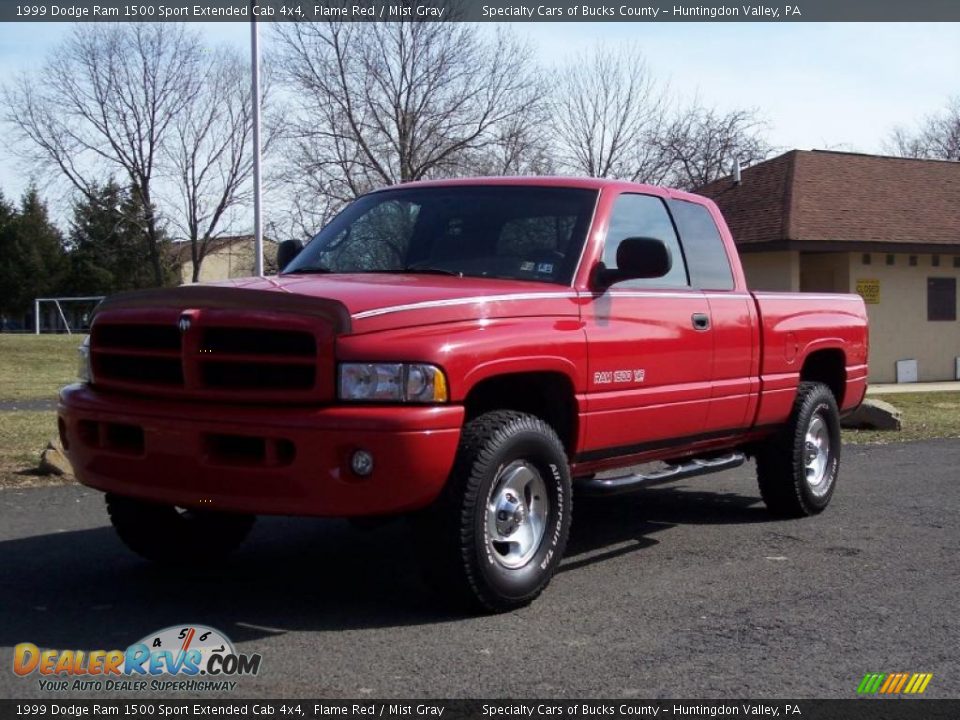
x=56 y=301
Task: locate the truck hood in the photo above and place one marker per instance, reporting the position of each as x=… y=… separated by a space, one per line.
x=375 y=301
x=362 y=302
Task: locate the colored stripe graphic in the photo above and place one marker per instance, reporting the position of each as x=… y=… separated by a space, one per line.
x=870 y=683
x=894 y=683
x=918 y=683
x=889 y=683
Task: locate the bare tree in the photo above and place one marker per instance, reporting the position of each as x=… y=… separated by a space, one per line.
x=107 y=99
x=209 y=153
x=314 y=193
x=938 y=136
x=608 y=113
x=701 y=144
x=520 y=147
x=381 y=103
x=612 y=118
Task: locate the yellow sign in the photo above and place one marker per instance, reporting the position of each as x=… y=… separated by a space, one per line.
x=869 y=290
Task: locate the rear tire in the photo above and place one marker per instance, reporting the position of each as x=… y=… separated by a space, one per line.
x=164 y=534
x=797 y=469
x=496 y=536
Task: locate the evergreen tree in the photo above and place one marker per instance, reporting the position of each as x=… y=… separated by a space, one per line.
x=9 y=301
x=108 y=243
x=32 y=259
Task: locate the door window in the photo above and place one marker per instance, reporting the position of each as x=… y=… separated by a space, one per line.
x=644 y=216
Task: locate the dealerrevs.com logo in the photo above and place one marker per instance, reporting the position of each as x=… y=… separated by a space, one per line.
x=176 y=659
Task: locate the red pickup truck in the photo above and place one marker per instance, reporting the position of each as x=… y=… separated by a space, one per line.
x=472 y=354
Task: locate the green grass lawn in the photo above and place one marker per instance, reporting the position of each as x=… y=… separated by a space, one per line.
x=34 y=367
x=23 y=435
x=925 y=416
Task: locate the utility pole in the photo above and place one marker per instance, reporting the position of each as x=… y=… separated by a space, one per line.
x=257 y=185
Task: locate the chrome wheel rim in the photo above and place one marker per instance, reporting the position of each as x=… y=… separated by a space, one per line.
x=517 y=510
x=816 y=456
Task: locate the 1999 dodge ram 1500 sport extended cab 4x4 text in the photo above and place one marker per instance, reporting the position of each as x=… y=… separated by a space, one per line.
x=471 y=353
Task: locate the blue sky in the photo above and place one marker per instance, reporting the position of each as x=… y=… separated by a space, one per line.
x=839 y=86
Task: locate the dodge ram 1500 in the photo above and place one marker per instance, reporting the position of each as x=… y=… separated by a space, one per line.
x=472 y=354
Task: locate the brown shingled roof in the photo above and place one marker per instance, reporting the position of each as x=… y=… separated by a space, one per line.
x=825 y=196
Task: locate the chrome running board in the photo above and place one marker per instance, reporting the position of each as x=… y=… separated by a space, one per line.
x=629 y=483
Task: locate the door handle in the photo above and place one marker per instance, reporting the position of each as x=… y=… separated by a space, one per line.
x=701 y=321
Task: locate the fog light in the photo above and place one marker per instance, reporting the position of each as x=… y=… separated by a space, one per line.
x=362 y=463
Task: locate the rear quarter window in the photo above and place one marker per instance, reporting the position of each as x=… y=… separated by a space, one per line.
x=703 y=246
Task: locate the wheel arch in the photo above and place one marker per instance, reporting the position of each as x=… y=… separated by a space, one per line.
x=827 y=366
x=547 y=394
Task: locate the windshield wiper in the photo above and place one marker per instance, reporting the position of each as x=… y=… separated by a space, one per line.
x=429 y=270
x=308 y=270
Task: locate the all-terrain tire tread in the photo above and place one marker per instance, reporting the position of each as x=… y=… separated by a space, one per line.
x=780 y=459
x=456 y=573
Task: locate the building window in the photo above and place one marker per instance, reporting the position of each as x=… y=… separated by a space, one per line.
x=913 y=261
x=941 y=299
x=866 y=258
x=935 y=260
x=956 y=261
x=891 y=259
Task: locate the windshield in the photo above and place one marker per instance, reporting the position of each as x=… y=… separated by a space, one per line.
x=505 y=231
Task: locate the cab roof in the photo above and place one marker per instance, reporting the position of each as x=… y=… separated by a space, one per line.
x=553 y=181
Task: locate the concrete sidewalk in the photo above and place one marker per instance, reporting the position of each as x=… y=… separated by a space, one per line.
x=925 y=387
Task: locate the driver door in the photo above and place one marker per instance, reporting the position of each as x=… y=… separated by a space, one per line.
x=650 y=345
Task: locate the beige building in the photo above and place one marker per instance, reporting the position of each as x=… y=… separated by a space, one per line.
x=886 y=228
x=226 y=257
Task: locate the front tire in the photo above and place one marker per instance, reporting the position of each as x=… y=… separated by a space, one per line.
x=497 y=534
x=164 y=534
x=797 y=469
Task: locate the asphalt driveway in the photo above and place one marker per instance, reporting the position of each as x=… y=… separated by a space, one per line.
x=686 y=590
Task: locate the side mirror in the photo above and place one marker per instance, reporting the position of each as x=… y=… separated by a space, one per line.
x=638 y=258
x=286 y=252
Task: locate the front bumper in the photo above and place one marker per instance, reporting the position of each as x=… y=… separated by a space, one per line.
x=259 y=459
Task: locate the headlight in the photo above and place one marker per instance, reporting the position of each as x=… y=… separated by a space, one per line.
x=83 y=361
x=392 y=382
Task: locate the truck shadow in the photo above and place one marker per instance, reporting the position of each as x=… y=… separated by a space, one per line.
x=604 y=528
x=83 y=589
